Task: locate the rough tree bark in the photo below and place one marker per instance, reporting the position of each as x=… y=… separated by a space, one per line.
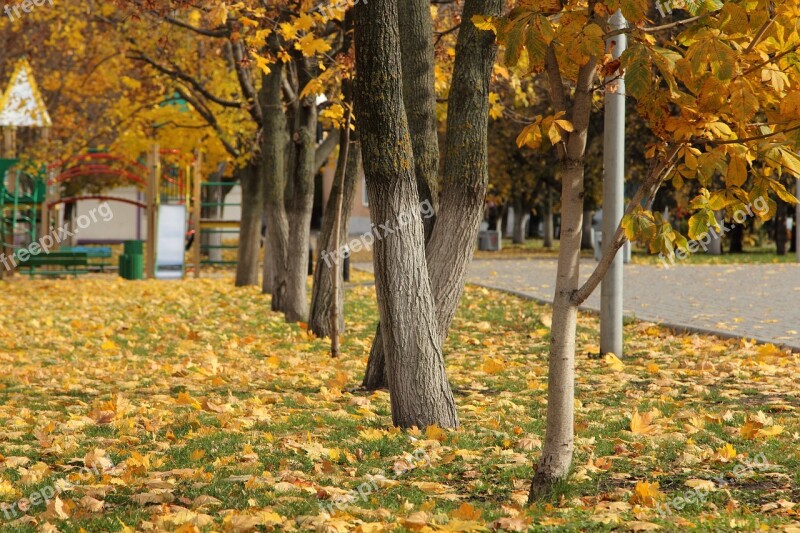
x=419 y=97
x=252 y=182
x=419 y=391
x=274 y=140
x=300 y=196
x=452 y=242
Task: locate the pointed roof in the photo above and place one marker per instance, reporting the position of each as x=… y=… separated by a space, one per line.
x=21 y=103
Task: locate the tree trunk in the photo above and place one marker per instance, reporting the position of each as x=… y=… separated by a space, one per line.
x=419 y=97
x=419 y=391
x=250 y=227
x=737 y=239
x=275 y=140
x=518 y=235
x=557 y=453
x=715 y=246
x=319 y=321
x=466 y=176
x=548 y=225
x=300 y=197
x=556 y=458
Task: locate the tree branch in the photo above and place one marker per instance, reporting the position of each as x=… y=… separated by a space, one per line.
x=217 y=32
x=246 y=82
x=648 y=189
x=141 y=56
x=325 y=148
x=209 y=117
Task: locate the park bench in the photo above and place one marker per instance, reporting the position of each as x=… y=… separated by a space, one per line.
x=96 y=255
x=56 y=264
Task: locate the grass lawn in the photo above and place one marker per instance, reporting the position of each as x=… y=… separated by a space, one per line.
x=535 y=248
x=189 y=406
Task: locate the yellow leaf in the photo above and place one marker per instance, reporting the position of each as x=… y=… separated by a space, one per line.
x=641 y=423
x=466 y=512
x=493 y=366
x=770 y=431
x=614 y=362
x=701 y=484
x=646 y=494
x=310 y=45
x=109 y=345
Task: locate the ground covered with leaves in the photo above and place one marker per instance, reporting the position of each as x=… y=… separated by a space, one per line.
x=189 y=406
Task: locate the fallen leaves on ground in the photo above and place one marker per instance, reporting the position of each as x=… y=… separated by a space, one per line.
x=189 y=406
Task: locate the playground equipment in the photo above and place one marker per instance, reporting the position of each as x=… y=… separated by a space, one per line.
x=166 y=177
x=21 y=198
x=210 y=232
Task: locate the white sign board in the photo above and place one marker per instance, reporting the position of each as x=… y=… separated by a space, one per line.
x=170 y=243
x=21 y=104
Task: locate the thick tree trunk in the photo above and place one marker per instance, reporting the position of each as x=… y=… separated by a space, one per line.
x=419 y=97
x=300 y=202
x=275 y=140
x=548 y=225
x=452 y=242
x=319 y=321
x=420 y=393
x=251 y=181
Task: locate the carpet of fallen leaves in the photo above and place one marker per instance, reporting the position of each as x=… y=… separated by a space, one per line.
x=189 y=406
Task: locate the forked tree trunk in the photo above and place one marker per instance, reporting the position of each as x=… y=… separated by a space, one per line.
x=250 y=228
x=419 y=98
x=319 y=321
x=452 y=242
x=556 y=458
x=419 y=391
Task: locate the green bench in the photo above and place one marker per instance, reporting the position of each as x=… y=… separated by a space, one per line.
x=56 y=264
x=94 y=253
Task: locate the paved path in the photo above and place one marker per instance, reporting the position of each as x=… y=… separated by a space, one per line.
x=760 y=301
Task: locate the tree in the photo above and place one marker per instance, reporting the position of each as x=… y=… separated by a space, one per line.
x=415 y=368
x=452 y=240
x=268 y=66
x=721 y=95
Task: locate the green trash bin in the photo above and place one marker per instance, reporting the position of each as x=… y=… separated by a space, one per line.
x=133 y=247
x=136 y=266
